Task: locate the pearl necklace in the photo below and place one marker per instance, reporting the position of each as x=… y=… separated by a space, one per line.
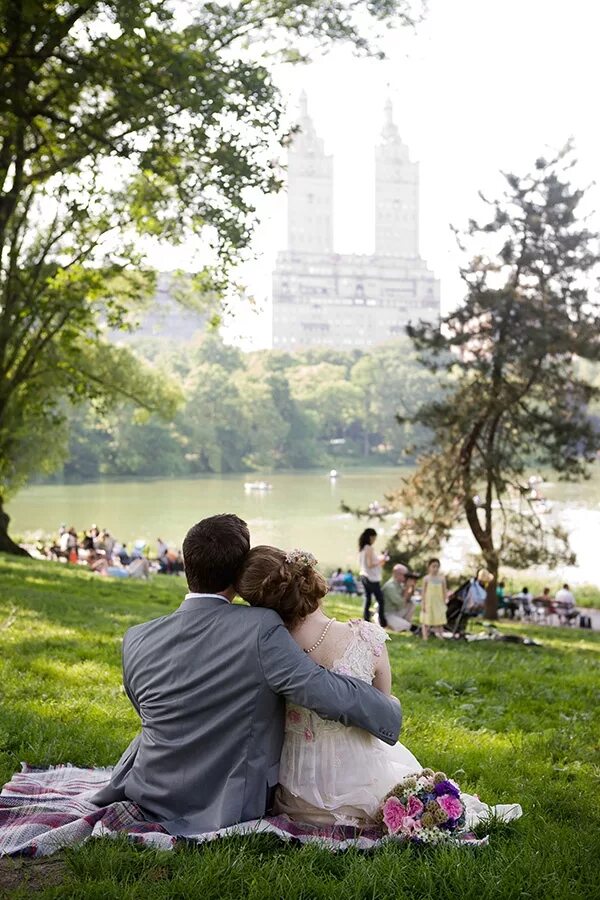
x=322 y=638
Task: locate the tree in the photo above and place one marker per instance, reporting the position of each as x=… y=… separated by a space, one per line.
x=516 y=397
x=391 y=384
x=298 y=448
x=120 y=118
x=324 y=388
x=211 y=424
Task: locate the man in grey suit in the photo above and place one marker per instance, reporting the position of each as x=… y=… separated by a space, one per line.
x=209 y=683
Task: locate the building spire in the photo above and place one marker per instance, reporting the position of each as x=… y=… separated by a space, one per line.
x=310 y=188
x=303 y=105
x=389 y=112
x=389 y=132
x=305 y=123
x=396 y=194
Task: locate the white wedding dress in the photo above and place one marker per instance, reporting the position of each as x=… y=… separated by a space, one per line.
x=330 y=773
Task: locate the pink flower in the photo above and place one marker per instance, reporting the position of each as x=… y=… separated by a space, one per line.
x=410 y=825
x=398 y=817
x=393 y=814
x=293 y=715
x=308 y=735
x=451 y=805
x=414 y=807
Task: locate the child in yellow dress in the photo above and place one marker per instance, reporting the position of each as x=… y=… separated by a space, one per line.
x=433 y=600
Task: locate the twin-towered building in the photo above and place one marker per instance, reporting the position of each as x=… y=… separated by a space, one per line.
x=323 y=298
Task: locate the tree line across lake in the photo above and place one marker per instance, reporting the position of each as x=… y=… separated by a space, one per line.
x=243 y=411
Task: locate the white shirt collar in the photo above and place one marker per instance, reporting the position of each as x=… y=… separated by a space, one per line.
x=194 y=595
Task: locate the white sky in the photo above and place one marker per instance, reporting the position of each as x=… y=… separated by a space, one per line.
x=483 y=86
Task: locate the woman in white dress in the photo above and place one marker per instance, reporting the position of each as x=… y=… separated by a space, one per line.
x=330 y=773
x=370 y=564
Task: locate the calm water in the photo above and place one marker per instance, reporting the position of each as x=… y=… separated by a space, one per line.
x=302 y=510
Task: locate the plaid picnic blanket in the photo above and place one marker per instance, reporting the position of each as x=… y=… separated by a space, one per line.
x=43 y=810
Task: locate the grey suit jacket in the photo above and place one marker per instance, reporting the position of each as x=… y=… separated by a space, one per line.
x=209 y=683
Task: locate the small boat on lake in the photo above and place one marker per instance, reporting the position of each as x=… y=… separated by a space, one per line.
x=260 y=486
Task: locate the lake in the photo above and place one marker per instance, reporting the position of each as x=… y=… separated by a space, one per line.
x=301 y=510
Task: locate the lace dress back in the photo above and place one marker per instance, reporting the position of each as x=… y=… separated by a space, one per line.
x=329 y=772
x=359 y=658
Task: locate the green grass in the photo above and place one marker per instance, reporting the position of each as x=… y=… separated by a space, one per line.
x=512 y=723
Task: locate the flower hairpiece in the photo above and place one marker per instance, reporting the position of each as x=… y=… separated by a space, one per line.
x=301 y=556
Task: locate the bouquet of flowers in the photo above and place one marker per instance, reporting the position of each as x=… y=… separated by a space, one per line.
x=425 y=808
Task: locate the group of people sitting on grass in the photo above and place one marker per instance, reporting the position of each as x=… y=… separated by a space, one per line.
x=102 y=553
x=341 y=582
x=74 y=547
x=543 y=607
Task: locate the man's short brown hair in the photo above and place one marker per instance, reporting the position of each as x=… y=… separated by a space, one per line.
x=214 y=551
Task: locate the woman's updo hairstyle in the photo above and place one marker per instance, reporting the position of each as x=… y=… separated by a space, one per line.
x=292 y=588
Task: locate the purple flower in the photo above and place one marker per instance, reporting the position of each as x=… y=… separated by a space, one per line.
x=447 y=787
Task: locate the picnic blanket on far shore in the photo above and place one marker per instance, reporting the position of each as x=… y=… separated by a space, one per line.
x=44 y=810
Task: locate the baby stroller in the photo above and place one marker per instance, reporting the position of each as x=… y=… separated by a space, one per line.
x=467 y=602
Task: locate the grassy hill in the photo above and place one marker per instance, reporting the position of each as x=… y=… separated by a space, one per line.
x=511 y=723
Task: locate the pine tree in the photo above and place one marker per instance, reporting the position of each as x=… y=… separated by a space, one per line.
x=514 y=396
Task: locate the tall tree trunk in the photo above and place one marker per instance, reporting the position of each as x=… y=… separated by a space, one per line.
x=7 y=545
x=491 y=600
